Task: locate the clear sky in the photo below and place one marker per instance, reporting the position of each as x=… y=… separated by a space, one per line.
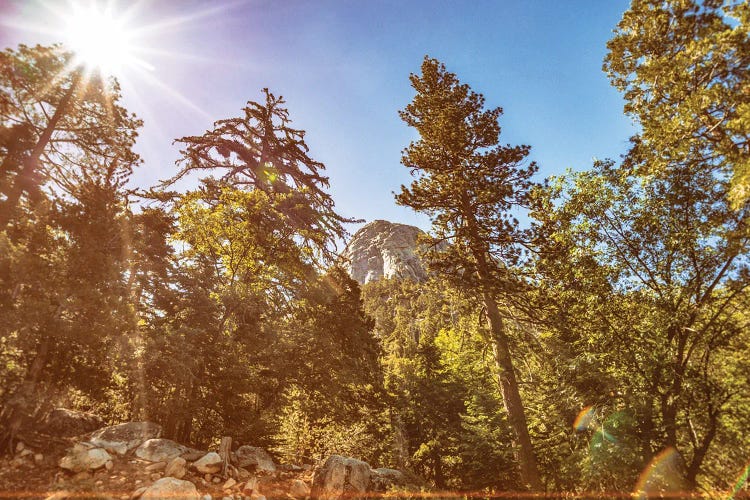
x=343 y=68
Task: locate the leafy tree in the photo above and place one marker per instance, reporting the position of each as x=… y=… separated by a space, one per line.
x=64 y=301
x=469 y=183
x=245 y=299
x=684 y=67
x=334 y=401
x=651 y=277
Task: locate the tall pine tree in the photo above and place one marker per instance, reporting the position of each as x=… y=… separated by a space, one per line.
x=468 y=183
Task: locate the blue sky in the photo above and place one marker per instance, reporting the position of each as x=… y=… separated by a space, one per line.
x=343 y=68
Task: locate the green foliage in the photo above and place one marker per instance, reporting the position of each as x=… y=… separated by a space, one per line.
x=612 y=334
x=260 y=151
x=651 y=273
x=684 y=67
x=59 y=128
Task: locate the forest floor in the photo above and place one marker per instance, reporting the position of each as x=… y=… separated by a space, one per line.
x=30 y=478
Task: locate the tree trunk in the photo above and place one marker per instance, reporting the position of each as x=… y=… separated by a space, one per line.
x=225 y=450
x=506 y=379
x=13 y=415
x=506 y=376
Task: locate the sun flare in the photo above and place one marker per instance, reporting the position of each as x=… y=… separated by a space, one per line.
x=100 y=40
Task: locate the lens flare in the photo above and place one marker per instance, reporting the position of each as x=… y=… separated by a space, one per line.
x=584 y=418
x=740 y=482
x=664 y=475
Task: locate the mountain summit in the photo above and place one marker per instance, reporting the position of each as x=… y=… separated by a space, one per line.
x=383 y=249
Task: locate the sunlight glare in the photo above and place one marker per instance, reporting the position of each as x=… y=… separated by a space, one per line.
x=99 y=39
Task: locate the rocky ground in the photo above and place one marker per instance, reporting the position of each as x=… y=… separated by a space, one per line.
x=131 y=461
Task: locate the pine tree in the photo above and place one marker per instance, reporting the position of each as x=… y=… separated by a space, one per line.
x=468 y=183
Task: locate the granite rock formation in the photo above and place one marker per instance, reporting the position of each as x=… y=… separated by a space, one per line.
x=383 y=249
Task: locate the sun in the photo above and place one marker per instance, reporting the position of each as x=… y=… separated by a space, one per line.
x=100 y=40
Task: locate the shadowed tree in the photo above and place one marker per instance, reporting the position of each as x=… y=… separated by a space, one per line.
x=57 y=124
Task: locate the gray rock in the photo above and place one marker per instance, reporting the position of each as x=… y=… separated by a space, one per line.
x=192 y=454
x=125 y=437
x=63 y=422
x=341 y=477
x=171 y=488
x=383 y=249
x=299 y=489
x=177 y=468
x=247 y=456
x=80 y=459
x=160 y=450
x=156 y=467
x=382 y=480
x=210 y=463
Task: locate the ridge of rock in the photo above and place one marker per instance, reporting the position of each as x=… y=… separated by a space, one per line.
x=383 y=249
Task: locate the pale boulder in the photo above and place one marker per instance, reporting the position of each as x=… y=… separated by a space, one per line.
x=160 y=450
x=81 y=459
x=210 y=463
x=177 y=468
x=340 y=478
x=125 y=437
x=171 y=488
x=252 y=456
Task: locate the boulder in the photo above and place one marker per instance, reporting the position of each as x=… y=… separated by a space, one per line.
x=68 y=423
x=160 y=450
x=252 y=456
x=341 y=477
x=81 y=458
x=169 y=487
x=210 y=463
x=177 y=468
x=299 y=489
x=382 y=480
x=125 y=437
x=192 y=454
x=137 y=493
x=156 y=466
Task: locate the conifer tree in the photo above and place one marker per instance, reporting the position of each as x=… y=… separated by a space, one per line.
x=469 y=183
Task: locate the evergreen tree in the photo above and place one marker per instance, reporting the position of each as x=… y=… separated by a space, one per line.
x=469 y=183
x=261 y=151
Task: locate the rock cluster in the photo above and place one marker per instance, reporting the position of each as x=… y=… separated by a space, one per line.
x=342 y=478
x=130 y=461
x=383 y=249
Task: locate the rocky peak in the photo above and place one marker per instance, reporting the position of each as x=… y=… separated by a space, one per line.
x=383 y=249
